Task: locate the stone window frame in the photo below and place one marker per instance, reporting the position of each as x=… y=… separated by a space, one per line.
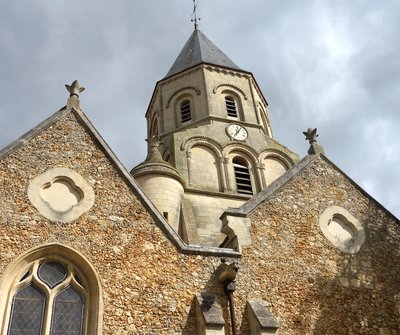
x=233 y=96
x=82 y=187
x=22 y=272
x=32 y=277
x=189 y=93
x=358 y=237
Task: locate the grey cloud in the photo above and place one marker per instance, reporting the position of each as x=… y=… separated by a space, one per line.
x=119 y=51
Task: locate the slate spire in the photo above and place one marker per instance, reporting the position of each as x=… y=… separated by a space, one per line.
x=197 y=50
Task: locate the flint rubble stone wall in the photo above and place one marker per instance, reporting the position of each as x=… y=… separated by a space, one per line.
x=309 y=284
x=148 y=287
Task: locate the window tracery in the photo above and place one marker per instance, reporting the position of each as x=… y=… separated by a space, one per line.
x=56 y=278
x=49 y=300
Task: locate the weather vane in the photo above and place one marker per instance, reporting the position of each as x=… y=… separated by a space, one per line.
x=194 y=14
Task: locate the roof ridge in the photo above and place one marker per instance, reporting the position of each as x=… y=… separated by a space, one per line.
x=245 y=209
x=14 y=145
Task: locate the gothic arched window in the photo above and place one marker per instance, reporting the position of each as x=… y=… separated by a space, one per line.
x=49 y=299
x=186 y=113
x=50 y=290
x=242 y=176
x=231 y=108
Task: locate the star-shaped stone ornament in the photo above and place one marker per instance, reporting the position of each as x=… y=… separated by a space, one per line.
x=74 y=89
x=311 y=135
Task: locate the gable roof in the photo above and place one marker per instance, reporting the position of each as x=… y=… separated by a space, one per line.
x=199 y=49
x=264 y=195
x=155 y=214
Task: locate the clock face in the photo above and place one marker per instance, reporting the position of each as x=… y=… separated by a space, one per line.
x=237 y=132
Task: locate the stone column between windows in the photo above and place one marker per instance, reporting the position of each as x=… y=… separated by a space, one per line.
x=222 y=174
x=189 y=163
x=224 y=162
x=161 y=111
x=261 y=175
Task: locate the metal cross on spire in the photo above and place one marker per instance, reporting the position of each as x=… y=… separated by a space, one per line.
x=194 y=14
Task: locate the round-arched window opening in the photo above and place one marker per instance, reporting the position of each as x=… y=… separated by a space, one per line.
x=342 y=229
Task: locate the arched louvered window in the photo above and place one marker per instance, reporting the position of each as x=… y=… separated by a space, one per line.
x=231 y=108
x=242 y=176
x=49 y=300
x=186 y=113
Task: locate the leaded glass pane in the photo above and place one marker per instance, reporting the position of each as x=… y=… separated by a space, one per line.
x=52 y=273
x=67 y=313
x=27 y=312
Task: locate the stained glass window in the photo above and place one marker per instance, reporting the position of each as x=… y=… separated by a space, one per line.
x=52 y=273
x=27 y=312
x=67 y=313
x=30 y=309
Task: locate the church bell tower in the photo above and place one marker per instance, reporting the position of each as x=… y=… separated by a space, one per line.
x=210 y=142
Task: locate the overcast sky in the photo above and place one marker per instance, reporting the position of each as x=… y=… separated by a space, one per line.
x=330 y=64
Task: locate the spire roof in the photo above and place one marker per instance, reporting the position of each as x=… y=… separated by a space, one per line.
x=199 y=49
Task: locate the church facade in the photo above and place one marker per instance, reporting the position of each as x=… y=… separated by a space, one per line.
x=221 y=230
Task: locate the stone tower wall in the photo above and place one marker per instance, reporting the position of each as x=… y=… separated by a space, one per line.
x=166 y=194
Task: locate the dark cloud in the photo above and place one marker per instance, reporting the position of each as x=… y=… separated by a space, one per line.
x=327 y=64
